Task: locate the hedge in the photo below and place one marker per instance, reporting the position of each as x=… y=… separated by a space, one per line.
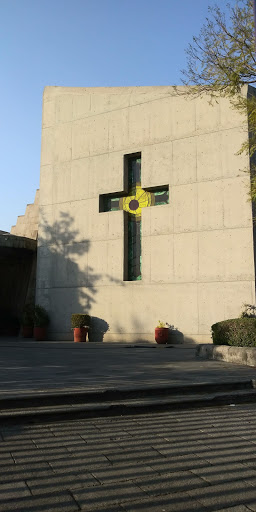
x=238 y=332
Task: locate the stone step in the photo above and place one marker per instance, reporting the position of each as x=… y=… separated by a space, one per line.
x=51 y=398
x=27 y=413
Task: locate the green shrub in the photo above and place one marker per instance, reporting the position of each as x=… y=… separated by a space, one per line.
x=79 y=320
x=41 y=317
x=28 y=315
x=238 y=332
x=249 y=311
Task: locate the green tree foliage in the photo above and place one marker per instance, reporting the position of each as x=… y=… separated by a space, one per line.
x=222 y=59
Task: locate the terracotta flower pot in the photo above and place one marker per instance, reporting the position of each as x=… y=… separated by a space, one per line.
x=40 y=333
x=161 y=335
x=80 y=334
x=27 y=331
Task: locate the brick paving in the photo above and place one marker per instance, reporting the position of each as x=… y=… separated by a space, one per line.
x=179 y=461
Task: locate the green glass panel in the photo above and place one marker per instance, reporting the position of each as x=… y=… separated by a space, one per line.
x=134 y=226
x=111 y=204
x=161 y=197
x=134 y=249
x=134 y=172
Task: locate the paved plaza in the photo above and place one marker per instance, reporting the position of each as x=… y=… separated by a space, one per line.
x=184 y=460
x=32 y=367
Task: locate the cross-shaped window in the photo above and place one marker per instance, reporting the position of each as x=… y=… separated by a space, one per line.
x=132 y=200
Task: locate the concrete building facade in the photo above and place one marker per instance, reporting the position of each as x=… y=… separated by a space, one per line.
x=27 y=224
x=196 y=246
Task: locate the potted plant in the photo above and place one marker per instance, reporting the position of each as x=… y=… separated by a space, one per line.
x=80 y=324
x=161 y=333
x=41 y=321
x=27 y=321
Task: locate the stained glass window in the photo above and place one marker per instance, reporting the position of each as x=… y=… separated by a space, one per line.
x=132 y=203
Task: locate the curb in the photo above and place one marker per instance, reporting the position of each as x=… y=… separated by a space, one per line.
x=239 y=355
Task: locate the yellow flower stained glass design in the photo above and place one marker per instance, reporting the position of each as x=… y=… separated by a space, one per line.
x=137 y=199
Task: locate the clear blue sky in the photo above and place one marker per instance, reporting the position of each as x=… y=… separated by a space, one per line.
x=76 y=43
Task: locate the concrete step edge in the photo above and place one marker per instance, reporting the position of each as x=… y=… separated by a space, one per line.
x=75 y=397
x=122 y=408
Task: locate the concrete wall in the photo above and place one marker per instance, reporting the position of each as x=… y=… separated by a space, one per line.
x=197 y=252
x=27 y=225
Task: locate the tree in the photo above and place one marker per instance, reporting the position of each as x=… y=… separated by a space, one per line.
x=222 y=59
